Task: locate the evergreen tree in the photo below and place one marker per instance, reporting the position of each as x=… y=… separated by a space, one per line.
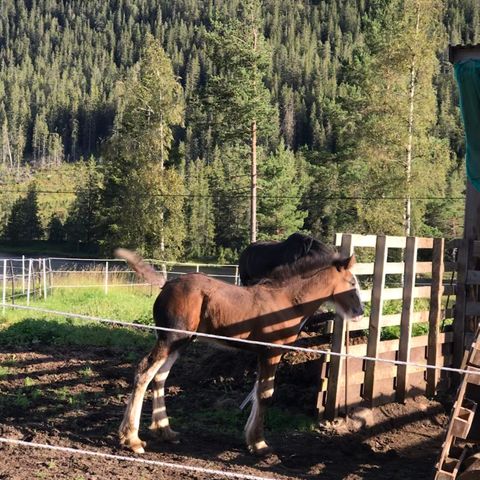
x=200 y=239
x=142 y=200
x=83 y=223
x=24 y=222
x=237 y=94
x=282 y=183
x=55 y=230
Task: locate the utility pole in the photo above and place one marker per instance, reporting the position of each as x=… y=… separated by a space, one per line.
x=253 y=189
x=408 y=160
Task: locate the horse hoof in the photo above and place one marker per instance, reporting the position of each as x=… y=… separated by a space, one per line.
x=166 y=434
x=134 y=443
x=260 y=449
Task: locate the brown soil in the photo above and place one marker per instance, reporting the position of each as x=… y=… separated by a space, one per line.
x=76 y=398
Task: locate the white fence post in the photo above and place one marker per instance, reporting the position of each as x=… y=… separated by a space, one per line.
x=4 y=290
x=50 y=274
x=237 y=280
x=23 y=274
x=198 y=268
x=44 y=279
x=164 y=271
x=106 y=278
x=29 y=279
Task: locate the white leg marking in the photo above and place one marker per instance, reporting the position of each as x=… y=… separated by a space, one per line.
x=260 y=445
x=253 y=418
x=267 y=393
x=159 y=413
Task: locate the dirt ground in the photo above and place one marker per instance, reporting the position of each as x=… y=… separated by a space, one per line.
x=76 y=398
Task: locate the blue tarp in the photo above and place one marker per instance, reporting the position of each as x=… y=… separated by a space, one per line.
x=467 y=74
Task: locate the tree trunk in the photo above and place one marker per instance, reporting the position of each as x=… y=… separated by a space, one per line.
x=253 y=197
x=408 y=161
x=162 y=166
x=253 y=200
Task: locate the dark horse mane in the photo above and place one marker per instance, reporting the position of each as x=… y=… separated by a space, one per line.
x=275 y=262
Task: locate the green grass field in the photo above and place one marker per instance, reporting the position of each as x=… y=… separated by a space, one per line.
x=22 y=327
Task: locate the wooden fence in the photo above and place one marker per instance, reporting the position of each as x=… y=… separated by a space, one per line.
x=394 y=260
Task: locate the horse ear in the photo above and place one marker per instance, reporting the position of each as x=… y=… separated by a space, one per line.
x=351 y=262
x=344 y=263
x=307 y=245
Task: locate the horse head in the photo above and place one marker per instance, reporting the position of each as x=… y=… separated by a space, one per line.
x=346 y=294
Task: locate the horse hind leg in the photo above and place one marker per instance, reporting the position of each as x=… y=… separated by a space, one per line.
x=144 y=374
x=160 y=424
x=262 y=393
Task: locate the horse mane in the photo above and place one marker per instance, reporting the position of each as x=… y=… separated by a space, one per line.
x=303 y=254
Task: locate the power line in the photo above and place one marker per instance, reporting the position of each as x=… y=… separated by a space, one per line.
x=247 y=195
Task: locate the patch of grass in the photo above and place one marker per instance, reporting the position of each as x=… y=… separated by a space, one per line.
x=29 y=382
x=4 y=371
x=65 y=395
x=21 y=400
x=21 y=327
x=233 y=421
x=86 y=372
x=118 y=304
x=33 y=331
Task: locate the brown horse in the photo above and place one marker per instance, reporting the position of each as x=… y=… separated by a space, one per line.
x=269 y=312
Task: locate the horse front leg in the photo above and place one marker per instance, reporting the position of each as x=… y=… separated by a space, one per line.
x=144 y=374
x=262 y=393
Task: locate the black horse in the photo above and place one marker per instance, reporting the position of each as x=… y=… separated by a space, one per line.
x=261 y=260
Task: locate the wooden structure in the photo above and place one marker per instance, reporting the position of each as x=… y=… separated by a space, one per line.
x=460 y=434
x=467 y=308
x=395 y=274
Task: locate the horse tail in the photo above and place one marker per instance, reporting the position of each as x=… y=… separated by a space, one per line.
x=141 y=268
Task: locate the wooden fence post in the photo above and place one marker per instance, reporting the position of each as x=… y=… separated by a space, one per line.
x=410 y=259
x=375 y=323
x=106 y=278
x=4 y=289
x=435 y=314
x=29 y=279
x=237 y=279
x=338 y=345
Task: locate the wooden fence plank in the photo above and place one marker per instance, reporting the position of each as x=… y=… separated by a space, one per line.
x=390 y=320
x=472 y=309
x=473 y=277
x=397 y=293
x=338 y=345
x=424 y=242
x=406 y=323
x=435 y=314
x=375 y=315
x=391 y=268
x=460 y=304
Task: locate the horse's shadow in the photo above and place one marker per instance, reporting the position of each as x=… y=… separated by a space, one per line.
x=93 y=422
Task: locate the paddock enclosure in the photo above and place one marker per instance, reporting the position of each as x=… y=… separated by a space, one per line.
x=394 y=430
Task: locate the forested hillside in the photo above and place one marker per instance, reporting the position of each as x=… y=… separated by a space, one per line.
x=331 y=154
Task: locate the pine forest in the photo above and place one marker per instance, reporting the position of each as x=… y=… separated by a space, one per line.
x=163 y=125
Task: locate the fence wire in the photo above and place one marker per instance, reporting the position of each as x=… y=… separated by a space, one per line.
x=241 y=340
x=144 y=461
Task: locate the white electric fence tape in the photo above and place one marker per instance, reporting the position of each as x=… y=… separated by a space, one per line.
x=158 y=463
x=239 y=340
